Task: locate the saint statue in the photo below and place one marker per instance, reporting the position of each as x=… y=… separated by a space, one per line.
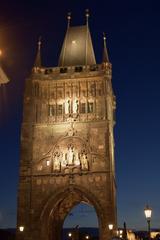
x=64 y=161
x=67 y=107
x=84 y=162
x=70 y=156
x=77 y=160
x=56 y=163
x=75 y=106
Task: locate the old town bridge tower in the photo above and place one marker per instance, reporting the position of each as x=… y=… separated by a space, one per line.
x=67 y=144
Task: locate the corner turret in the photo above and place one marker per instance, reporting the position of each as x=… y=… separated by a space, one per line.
x=38 y=62
x=105 y=52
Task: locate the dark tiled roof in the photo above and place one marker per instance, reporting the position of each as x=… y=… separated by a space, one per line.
x=77 y=47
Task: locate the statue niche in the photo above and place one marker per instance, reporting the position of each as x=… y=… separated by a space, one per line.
x=73 y=154
x=84 y=161
x=70 y=155
x=57 y=162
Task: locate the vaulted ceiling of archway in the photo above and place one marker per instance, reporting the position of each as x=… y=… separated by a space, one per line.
x=67 y=203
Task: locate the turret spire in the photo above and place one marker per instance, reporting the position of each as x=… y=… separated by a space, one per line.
x=87 y=16
x=38 y=63
x=69 y=19
x=105 y=52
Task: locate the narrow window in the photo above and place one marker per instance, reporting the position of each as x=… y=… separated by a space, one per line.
x=59 y=93
x=90 y=107
x=51 y=110
x=83 y=93
x=68 y=94
x=93 y=90
x=59 y=109
x=99 y=92
x=83 y=108
x=36 y=89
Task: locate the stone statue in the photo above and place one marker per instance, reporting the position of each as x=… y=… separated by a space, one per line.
x=84 y=162
x=75 y=106
x=70 y=156
x=68 y=107
x=64 y=161
x=77 y=160
x=56 y=163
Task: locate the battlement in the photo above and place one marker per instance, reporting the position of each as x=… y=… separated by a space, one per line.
x=71 y=71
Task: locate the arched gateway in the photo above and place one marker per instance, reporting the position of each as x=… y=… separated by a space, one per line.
x=67 y=145
x=63 y=202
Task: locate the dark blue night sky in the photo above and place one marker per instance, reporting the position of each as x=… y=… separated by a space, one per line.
x=133 y=40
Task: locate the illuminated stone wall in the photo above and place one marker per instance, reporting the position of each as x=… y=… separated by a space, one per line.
x=67 y=149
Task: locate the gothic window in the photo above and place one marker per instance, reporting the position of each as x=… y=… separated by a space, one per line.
x=59 y=109
x=83 y=93
x=51 y=110
x=83 y=107
x=90 y=107
x=75 y=90
x=99 y=92
x=77 y=93
x=68 y=94
x=52 y=94
x=36 y=89
x=93 y=90
x=59 y=94
x=45 y=92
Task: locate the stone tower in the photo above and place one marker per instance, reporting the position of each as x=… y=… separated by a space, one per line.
x=67 y=144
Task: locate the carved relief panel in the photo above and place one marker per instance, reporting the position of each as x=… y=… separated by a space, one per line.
x=70 y=152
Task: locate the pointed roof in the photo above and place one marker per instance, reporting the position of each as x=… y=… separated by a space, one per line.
x=3 y=77
x=38 y=63
x=77 y=48
x=105 y=52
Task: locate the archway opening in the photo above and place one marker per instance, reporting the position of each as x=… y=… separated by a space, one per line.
x=81 y=223
x=63 y=205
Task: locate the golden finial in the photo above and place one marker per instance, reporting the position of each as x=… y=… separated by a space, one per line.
x=39 y=42
x=37 y=63
x=105 y=52
x=104 y=36
x=69 y=18
x=87 y=15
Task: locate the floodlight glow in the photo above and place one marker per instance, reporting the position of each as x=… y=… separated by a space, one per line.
x=110 y=226
x=21 y=228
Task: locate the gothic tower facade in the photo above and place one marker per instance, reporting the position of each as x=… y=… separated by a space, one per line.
x=67 y=144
